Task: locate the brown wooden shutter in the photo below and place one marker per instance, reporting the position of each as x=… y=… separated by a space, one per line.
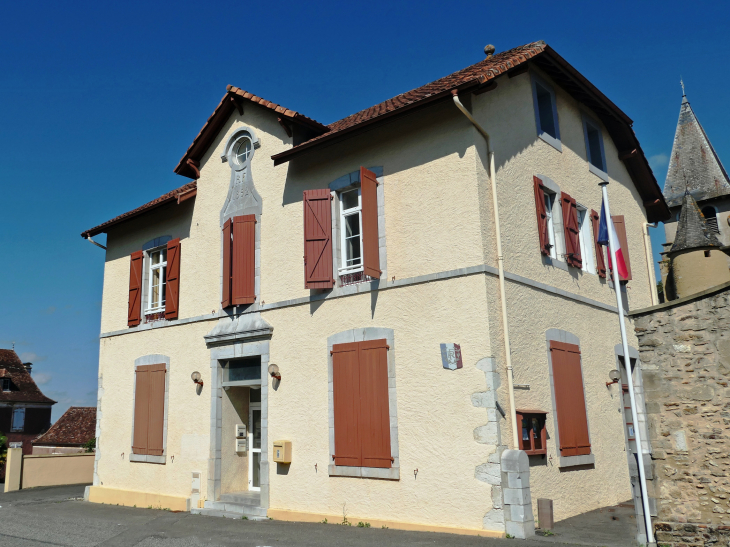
x=374 y=424
x=149 y=410
x=620 y=225
x=370 y=239
x=172 y=291
x=600 y=260
x=317 y=239
x=227 y=263
x=243 y=289
x=134 y=310
x=155 y=428
x=542 y=220
x=571 y=231
x=570 y=404
x=346 y=391
x=141 y=410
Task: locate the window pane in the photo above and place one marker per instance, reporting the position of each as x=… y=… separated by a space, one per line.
x=352 y=225
x=254 y=395
x=155 y=296
x=155 y=257
x=256 y=428
x=594 y=146
x=545 y=111
x=256 y=479
x=349 y=199
x=244 y=369
x=243 y=150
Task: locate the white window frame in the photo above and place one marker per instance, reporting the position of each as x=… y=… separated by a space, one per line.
x=6 y=384
x=344 y=269
x=552 y=141
x=599 y=171
x=585 y=236
x=149 y=308
x=18 y=415
x=549 y=206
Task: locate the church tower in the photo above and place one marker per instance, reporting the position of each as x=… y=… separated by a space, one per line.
x=695 y=167
x=696 y=260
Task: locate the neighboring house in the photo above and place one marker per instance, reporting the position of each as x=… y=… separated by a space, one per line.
x=70 y=433
x=694 y=168
x=356 y=264
x=24 y=411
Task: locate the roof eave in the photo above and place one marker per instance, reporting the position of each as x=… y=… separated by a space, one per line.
x=287 y=155
x=218 y=118
x=103 y=228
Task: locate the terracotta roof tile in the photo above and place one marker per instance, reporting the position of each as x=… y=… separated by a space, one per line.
x=24 y=388
x=221 y=114
x=166 y=198
x=76 y=427
x=478 y=73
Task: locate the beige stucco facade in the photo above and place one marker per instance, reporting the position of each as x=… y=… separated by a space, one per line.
x=441 y=287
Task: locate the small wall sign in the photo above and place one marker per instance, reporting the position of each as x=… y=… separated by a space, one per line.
x=451 y=356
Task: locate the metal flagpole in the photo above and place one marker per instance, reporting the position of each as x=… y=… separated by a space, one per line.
x=627 y=364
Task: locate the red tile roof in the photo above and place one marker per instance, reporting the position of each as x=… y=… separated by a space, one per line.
x=76 y=427
x=24 y=388
x=231 y=100
x=183 y=192
x=471 y=76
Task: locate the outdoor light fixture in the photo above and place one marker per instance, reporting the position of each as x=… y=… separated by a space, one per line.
x=196 y=378
x=274 y=371
x=615 y=377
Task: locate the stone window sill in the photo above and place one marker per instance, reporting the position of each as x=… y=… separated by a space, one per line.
x=391 y=474
x=146 y=458
x=573 y=461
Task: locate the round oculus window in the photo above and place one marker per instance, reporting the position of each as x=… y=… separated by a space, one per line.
x=242 y=150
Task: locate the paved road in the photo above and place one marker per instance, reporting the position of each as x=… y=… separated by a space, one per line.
x=58 y=516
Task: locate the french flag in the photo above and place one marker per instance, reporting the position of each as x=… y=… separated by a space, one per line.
x=604 y=226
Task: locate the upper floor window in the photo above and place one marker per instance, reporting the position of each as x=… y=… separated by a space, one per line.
x=242 y=150
x=18 y=419
x=157 y=280
x=594 y=147
x=549 y=203
x=710 y=215
x=5 y=384
x=585 y=235
x=546 y=112
x=351 y=238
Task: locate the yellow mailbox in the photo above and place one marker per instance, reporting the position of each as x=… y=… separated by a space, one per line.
x=282 y=451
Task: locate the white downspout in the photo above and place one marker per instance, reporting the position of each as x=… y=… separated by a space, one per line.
x=500 y=266
x=650 y=262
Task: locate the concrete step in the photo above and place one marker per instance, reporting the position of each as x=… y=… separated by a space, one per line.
x=240 y=509
x=244 y=498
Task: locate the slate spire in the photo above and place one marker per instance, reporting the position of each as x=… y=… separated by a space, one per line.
x=694 y=165
x=693 y=233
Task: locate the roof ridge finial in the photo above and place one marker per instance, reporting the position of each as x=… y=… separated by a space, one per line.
x=681 y=82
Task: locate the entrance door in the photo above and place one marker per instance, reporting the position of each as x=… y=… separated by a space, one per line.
x=254 y=440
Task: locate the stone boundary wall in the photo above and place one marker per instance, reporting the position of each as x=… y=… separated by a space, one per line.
x=685 y=355
x=672 y=534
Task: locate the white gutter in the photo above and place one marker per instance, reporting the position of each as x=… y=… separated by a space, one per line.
x=95 y=243
x=500 y=266
x=650 y=262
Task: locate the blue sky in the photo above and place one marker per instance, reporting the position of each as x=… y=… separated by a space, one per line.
x=98 y=102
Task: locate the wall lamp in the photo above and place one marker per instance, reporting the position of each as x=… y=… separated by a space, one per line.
x=274 y=371
x=197 y=378
x=615 y=377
